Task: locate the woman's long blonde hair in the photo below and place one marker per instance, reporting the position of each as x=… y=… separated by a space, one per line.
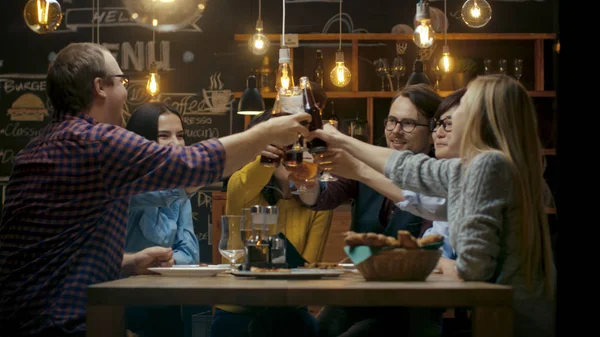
x=501 y=117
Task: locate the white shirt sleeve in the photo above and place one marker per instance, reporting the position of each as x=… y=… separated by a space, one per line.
x=430 y=208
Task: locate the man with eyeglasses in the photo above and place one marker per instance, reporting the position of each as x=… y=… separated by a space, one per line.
x=373 y=200
x=65 y=216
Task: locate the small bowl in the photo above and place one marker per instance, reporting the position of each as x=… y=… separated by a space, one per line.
x=399 y=264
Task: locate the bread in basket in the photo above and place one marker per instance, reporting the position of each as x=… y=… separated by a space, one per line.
x=391 y=259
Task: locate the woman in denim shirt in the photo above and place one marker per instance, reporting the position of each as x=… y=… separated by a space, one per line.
x=160 y=218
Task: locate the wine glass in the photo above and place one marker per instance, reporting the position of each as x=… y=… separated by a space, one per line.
x=326 y=176
x=231 y=246
x=502 y=66
x=398 y=69
x=487 y=66
x=518 y=63
x=382 y=69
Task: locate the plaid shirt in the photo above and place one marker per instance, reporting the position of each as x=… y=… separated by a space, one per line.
x=64 y=221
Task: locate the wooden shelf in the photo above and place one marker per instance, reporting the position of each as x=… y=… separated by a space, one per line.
x=396 y=37
x=388 y=94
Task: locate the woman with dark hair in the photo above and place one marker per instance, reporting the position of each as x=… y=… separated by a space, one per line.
x=160 y=218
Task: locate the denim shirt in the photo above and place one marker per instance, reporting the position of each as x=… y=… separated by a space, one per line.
x=163 y=218
x=431 y=208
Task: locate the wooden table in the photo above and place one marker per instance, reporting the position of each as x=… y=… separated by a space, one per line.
x=492 y=304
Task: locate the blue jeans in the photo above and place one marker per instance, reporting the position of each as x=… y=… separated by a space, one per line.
x=269 y=322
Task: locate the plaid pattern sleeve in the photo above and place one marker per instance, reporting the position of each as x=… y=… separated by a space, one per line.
x=64 y=221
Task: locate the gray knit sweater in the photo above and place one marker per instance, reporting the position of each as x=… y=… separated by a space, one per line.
x=485 y=229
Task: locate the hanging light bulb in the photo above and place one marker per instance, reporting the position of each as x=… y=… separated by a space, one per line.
x=446 y=62
x=285 y=76
x=340 y=75
x=476 y=13
x=42 y=16
x=259 y=43
x=424 y=34
x=152 y=86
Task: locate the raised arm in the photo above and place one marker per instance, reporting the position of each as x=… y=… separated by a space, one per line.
x=489 y=186
x=421 y=173
x=430 y=208
x=246 y=184
x=131 y=164
x=332 y=194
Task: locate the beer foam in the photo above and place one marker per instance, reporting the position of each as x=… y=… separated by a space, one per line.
x=291 y=104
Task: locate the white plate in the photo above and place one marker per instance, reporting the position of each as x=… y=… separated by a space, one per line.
x=292 y=274
x=347 y=265
x=188 y=271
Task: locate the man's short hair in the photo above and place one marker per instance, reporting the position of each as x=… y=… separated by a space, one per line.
x=70 y=79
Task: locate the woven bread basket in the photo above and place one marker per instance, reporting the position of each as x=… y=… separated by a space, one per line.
x=399 y=264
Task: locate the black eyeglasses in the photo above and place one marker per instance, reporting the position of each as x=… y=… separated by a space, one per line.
x=407 y=125
x=446 y=123
x=123 y=78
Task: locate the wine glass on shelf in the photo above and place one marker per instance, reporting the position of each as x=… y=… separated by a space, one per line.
x=518 y=63
x=398 y=69
x=231 y=246
x=487 y=66
x=502 y=66
x=382 y=69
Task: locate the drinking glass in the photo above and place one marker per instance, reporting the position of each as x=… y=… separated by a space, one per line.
x=231 y=246
x=326 y=176
x=382 y=68
x=398 y=69
x=487 y=66
x=502 y=66
x=312 y=174
x=518 y=63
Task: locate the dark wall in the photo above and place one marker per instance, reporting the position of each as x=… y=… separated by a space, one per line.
x=206 y=64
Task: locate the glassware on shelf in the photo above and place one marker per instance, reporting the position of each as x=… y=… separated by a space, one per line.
x=231 y=246
x=382 y=69
x=398 y=69
x=518 y=63
x=487 y=66
x=502 y=66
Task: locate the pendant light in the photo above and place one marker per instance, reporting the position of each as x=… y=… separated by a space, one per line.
x=251 y=102
x=285 y=75
x=340 y=75
x=424 y=34
x=259 y=43
x=446 y=62
x=42 y=16
x=476 y=13
x=153 y=83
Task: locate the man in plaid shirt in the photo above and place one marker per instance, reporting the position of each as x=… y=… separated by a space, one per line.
x=64 y=220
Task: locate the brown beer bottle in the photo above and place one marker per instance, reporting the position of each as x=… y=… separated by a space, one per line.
x=316 y=145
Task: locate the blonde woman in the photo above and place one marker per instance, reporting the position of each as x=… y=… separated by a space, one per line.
x=495 y=193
